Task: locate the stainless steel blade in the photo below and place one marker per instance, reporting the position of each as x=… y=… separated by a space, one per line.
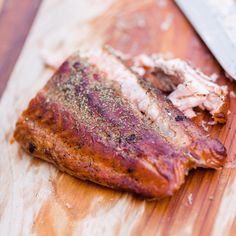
x=205 y=22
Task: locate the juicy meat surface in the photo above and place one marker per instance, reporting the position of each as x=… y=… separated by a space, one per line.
x=98 y=121
x=187 y=87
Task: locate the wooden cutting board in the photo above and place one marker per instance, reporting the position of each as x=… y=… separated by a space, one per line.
x=37 y=199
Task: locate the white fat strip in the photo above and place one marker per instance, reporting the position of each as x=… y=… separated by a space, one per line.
x=129 y=87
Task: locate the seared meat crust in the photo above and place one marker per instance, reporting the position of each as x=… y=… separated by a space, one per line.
x=89 y=122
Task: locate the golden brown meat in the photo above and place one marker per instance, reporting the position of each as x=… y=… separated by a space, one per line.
x=97 y=121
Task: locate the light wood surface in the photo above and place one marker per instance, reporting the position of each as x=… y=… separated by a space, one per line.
x=37 y=199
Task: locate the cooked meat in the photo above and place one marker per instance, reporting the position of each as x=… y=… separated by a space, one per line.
x=96 y=120
x=188 y=87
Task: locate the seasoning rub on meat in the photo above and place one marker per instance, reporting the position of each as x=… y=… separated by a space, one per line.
x=96 y=120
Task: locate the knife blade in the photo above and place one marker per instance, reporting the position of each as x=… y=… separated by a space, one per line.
x=207 y=24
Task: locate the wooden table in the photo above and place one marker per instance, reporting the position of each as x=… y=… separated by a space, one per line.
x=37 y=199
x=16 y=18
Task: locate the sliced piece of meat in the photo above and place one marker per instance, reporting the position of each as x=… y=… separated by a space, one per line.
x=96 y=120
x=187 y=87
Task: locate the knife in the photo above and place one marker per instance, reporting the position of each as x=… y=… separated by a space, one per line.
x=210 y=27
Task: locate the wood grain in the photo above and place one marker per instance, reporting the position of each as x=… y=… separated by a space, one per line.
x=38 y=199
x=16 y=18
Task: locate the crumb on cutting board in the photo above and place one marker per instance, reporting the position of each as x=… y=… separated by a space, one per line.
x=68 y=205
x=166 y=24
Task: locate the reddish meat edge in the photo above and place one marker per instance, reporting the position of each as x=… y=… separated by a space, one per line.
x=144 y=158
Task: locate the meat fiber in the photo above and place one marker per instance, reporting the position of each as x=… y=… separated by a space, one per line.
x=96 y=120
x=187 y=87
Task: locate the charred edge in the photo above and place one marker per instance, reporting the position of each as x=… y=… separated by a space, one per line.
x=180 y=118
x=32 y=147
x=130 y=170
x=131 y=138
